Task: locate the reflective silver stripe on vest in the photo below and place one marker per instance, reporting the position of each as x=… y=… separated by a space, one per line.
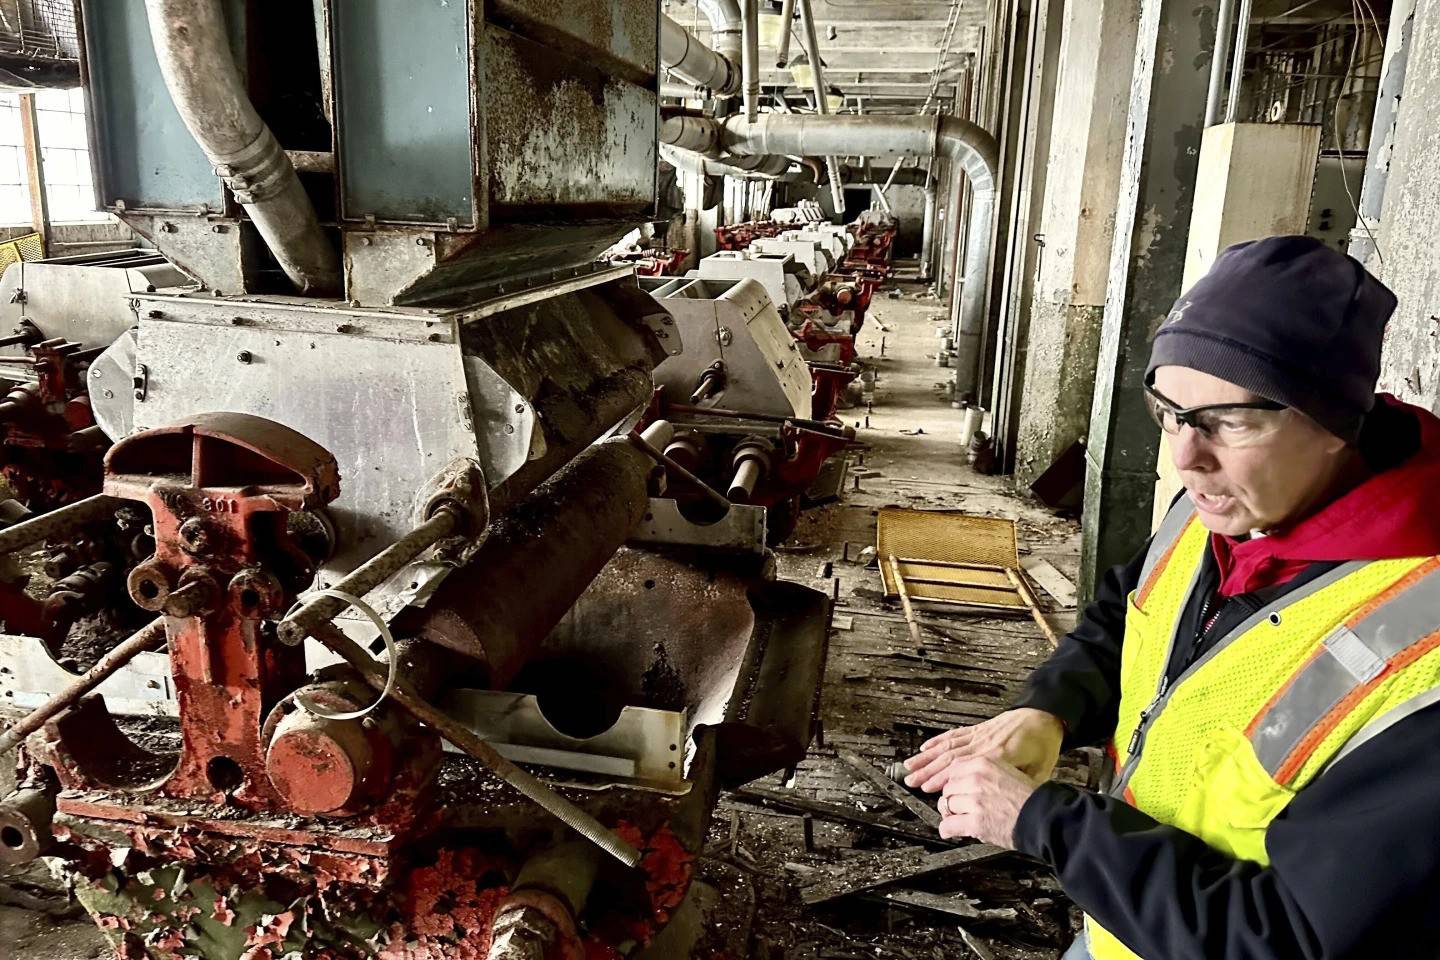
x=1384 y=722
x=1271 y=609
x=1349 y=658
x=1166 y=535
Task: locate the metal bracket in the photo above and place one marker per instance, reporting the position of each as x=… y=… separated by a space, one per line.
x=644 y=745
x=741 y=530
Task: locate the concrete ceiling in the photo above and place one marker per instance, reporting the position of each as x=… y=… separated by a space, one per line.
x=881 y=52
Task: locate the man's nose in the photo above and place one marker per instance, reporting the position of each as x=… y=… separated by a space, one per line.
x=1190 y=450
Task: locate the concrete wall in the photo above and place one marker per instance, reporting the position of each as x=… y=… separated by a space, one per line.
x=1087 y=145
x=1409 y=233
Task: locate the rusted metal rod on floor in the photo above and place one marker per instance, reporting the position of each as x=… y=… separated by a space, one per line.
x=56 y=523
x=669 y=464
x=1023 y=588
x=723 y=414
x=302 y=623
x=456 y=732
x=147 y=639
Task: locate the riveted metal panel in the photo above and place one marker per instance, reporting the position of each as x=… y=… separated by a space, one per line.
x=402 y=88
x=562 y=134
x=145 y=156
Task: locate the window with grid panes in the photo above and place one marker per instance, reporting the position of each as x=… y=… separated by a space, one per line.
x=65 y=156
x=14 y=184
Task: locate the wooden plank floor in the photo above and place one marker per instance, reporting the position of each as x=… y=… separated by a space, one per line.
x=883 y=696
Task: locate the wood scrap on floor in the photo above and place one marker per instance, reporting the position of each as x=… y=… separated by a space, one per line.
x=923 y=811
x=1054 y=582
x=891 y=867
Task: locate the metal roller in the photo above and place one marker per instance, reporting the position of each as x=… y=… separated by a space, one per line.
x=537 y=560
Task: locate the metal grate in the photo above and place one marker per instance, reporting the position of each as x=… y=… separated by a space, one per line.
x=944 y=537
x=40 y=29
x=29 y=248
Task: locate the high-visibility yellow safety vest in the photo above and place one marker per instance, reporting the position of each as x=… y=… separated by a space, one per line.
x=1276 y=701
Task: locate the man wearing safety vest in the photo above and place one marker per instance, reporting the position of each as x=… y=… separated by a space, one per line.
x=1266 y=672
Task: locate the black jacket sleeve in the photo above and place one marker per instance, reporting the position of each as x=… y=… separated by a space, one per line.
x=1354 y=871
x=1080 y=683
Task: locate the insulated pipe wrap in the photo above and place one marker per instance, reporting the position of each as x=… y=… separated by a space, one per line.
x=193 y=49
x=958 y=141
x=693 y=62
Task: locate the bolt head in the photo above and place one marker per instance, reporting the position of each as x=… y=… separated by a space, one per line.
x=244 y=356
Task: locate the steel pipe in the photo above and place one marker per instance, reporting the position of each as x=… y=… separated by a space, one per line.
x=746 y=168
x=57 y=523
x=822 y=104
x=958 y=141
x=1224 y=24
x=193 y=48
x=927 y=227
x=695 y=134
x=145 y=640
x=787 y=21
x=691 y=61
x=725 y=27
x=750 y=57
x=1237 y=67
x=302 y=623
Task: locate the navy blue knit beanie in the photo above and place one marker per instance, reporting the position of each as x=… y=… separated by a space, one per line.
x=1287 y=318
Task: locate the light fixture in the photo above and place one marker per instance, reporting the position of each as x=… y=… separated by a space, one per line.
x=802 y=73
x=772 y=28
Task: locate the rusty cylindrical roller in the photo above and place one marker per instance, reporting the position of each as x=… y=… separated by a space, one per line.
x=537 y=560
x=25 y=826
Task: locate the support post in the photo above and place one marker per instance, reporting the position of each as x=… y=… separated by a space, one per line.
x=1147 y=264
x=1087 y=150
x=35 y=169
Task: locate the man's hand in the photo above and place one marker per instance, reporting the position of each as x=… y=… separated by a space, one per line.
x=1025 y=739
x=982 y=799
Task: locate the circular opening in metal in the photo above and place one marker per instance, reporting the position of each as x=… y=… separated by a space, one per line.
x=149 y=589
x=575 y=694
x=12 y=837
x=224 y=773
x=249 y=599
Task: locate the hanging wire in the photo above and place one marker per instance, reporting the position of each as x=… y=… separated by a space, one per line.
x=1360 y=27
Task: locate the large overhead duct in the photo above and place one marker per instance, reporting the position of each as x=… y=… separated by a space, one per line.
x=958 y=141
x=193 y=49
x=691 y=61
x=741 y=168
x=718 y=69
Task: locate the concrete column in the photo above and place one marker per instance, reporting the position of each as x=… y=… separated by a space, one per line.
x=1087 y=142
x=1024 y=251
x=1382 y=132
x=1409 y=232
x=1173 y=45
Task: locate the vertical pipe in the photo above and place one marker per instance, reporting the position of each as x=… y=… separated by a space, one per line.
x=750 y=56
x=927 y=227
x=1237 y=67
x=822 y=106
x=787 y=20
x=1224 y=23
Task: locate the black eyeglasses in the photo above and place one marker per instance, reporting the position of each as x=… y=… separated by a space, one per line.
x=1225 y=424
